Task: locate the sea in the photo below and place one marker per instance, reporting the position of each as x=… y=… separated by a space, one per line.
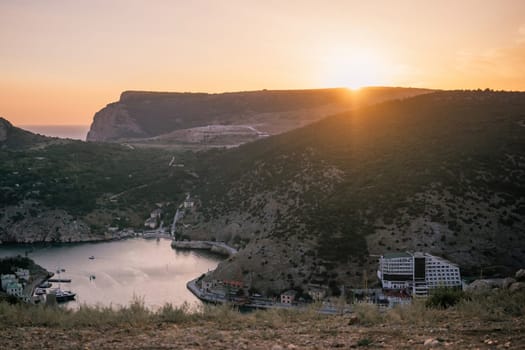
x=76 y=132
x=121 y=271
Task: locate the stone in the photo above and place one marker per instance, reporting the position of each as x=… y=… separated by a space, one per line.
x=520 y=275
x=517 y=287
x=507 y=282
x=431 y=342
x=353 y=320
x=480 y=286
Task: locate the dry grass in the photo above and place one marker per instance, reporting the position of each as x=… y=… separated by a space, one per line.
x=494 y=306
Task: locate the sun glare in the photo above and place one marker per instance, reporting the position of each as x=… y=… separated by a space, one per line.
x=353 y=69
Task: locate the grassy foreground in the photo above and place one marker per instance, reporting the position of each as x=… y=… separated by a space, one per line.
x=494 y=320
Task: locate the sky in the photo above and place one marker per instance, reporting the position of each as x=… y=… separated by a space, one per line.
x=61 y=60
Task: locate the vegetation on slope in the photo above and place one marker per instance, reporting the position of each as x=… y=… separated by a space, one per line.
x=441 y=172
x=101 y=184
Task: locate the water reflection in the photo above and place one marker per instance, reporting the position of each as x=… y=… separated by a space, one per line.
x=122 y=270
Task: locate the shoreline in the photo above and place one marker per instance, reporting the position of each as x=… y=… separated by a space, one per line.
x=98 y=240
x=214 y=247
x=261 y=304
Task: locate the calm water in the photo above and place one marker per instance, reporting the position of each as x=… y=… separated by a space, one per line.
x=123 y=269
x=77 y=132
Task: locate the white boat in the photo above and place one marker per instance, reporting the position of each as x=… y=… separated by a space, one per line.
x=63 y=295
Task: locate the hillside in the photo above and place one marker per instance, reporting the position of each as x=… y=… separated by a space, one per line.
x=235 y=118
x=14 y=138
x=67 y=191
x=442 y=172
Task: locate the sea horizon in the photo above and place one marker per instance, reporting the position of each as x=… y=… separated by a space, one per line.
x=72 y=131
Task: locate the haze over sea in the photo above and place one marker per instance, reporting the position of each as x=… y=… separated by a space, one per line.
x=77 y=132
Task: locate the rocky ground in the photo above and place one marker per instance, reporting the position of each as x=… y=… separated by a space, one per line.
x=451 y=332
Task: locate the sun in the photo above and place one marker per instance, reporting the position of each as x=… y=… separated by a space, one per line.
x=353 y=68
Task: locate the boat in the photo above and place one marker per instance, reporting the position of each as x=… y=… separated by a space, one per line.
x=60 y=280
x=92 y=257
x=40 y=291
x=63 y=295
x=44 y=285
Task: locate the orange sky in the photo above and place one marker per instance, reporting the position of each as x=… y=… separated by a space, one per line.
x=61 y=61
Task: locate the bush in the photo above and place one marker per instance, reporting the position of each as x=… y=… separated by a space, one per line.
x=443 y=298
x=493 y=305
x=368 y=314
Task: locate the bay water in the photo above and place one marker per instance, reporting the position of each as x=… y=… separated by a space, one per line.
x=121 y=270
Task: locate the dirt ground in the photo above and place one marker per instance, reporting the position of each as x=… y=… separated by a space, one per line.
x=326 y=333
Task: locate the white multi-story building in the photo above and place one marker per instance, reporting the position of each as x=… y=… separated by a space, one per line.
x=417 y=272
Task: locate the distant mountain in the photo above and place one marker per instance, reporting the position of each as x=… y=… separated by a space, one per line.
x=442 y=173
x=241 y=116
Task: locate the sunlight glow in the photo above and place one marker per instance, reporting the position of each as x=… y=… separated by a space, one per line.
x=354 y=68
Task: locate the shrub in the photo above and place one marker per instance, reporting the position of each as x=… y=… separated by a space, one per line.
x=443 y=298
x=367 y=313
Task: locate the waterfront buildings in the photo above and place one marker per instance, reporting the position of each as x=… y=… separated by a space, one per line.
x=15 y=289
x=7 y=279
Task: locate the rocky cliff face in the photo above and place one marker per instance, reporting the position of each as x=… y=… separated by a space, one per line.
x=112 y=123
x=140 y=115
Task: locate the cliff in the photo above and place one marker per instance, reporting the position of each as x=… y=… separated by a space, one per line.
x=142 y=115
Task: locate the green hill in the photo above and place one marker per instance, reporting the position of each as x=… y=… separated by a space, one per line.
x=442 y=172
x=63 y=190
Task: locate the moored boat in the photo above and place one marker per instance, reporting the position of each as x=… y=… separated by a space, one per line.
x=63 y=295
x=40 y=291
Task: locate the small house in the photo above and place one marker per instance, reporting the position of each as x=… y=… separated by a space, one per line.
x=155 y=214
x=7 y=279
x=207 y=285
x=15 y=289
x=22 y=274
x=288 y=297
x=317 y=293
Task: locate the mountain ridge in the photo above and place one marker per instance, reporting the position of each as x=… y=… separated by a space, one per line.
x=440 y=172
x=147 y=114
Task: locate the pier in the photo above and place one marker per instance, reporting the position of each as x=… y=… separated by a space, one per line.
x=215 y=247
x=60 y=280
